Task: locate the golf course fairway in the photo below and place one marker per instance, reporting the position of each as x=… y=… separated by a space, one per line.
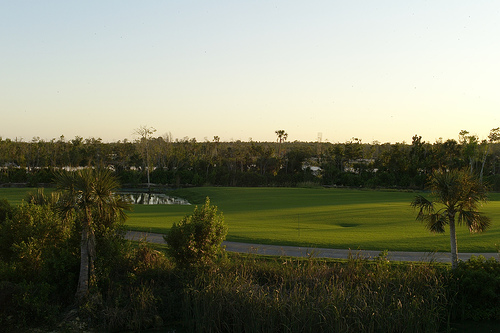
x=315 y=217
x=321 y=217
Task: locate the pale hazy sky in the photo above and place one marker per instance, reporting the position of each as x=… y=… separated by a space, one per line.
x=376 y=70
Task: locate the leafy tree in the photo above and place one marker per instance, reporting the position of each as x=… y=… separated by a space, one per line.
x=470 y=144
x=394 y=163
x=418 y=155
x=90 y=195
x=493 y=137
x=446 y=155
x=197 y=238
x=458 y=195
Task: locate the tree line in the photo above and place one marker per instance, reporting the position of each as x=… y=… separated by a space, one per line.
x=180 y=162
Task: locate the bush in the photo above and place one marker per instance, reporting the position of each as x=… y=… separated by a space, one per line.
x=38 y=268
x=478 y=289
x=197 y=238
x=5 y=210
x=30 y=235
x=27 y=304
x=36 y=177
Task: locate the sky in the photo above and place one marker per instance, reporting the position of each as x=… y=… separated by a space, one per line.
x=240 y=70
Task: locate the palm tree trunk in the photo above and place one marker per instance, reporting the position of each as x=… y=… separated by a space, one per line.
x=453 y=243
x=83 y=279
x=87 y=254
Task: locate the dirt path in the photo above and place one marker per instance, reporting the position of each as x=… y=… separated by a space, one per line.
x=297 y=251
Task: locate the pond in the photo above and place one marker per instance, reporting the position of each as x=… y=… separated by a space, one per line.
x=142 y=198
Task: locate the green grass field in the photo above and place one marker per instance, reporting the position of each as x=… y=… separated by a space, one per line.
x=332 y=218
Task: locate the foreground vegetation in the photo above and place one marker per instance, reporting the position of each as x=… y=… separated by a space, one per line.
x=65 y=265
x=144 y=289
x=135 y=287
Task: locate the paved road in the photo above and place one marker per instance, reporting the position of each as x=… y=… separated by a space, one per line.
x=297 y=251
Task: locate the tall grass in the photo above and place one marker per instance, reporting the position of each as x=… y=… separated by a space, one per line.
x=248 y=293
x=313 y=296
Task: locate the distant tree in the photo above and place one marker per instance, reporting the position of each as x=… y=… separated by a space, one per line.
x=216 y=141
x=458 y=195
x=493 y=137
x=197 y=238
x=353 y=150
x=145 y=133
x=445 y=155
x=470 y=145
x=282 y=136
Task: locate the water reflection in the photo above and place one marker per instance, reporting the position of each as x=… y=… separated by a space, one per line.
x=152 y=199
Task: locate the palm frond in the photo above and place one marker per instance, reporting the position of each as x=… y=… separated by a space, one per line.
x=65 y=181
x=424 y=206
x=436 y=222
x=474 y=194
x=475 y=221
x=41 y=198
x=446 y=185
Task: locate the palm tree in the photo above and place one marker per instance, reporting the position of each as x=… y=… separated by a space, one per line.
x=458 y=195
x=90 y=195
x=282 y=136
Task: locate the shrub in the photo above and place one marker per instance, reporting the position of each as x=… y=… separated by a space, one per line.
x=37 y=267
x=5 y=210
x=30 y=234
x=197 y=238
x=478 y=289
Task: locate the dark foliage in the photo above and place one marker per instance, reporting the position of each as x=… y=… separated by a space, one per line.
x=476 y=284
x=187 y=162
